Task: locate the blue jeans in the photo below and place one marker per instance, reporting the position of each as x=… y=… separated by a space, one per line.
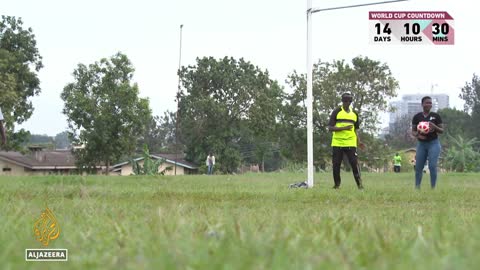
x=210 y=169
x=431 y=151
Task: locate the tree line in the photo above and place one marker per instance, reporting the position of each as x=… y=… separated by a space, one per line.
x=226 y=106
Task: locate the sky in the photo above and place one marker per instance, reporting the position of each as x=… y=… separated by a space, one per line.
x=270 y=34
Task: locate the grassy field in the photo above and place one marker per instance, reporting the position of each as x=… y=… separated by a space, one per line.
x=248 y=221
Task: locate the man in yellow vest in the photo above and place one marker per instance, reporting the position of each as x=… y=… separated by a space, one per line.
x=344 y=124
x=397 y=163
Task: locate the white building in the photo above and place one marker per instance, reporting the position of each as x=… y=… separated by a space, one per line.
x=411 y=104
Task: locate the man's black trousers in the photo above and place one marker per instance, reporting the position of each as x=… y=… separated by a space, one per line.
x=337 y=157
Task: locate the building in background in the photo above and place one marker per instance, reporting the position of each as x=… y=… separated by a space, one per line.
x=409 y=105
x=183 y=166
x=40 y=162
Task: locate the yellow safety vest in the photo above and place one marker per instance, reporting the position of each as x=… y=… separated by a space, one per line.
x=397 y=160
x=345 y=138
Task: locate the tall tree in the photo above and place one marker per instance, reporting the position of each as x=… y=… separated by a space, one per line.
x=371 y=84
x=400 y=133
x=104 y=111
x=378 y=155
x=219 y=99
x=471 y=95
x=160 y=135
x=455 y=121
x=19 y=63
x=40 y=139
x=62 y=141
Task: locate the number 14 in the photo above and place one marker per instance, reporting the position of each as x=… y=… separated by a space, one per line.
x=386 y=28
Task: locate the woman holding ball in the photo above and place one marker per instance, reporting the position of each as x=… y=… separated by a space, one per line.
x=426 y=126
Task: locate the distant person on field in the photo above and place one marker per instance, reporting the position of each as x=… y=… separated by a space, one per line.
x=428 y=145
x=3 y=133
x=397 y=163
x=344 y=124
x=210 y=163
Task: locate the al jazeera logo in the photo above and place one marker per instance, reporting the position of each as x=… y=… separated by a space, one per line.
x=46 y=229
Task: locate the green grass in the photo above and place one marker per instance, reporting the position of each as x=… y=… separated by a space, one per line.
x=248 y=221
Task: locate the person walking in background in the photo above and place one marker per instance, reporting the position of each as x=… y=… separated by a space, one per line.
x=344 y=124
x=3 y=133
x=210 y=163
x=428 y=144
x=397 y=163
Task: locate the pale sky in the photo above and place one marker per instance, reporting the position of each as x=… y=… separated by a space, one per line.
x=270 y=34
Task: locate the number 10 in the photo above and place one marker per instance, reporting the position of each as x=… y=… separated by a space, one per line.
x=415 y=28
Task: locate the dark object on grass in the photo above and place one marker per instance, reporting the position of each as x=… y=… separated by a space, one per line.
x=299 y=185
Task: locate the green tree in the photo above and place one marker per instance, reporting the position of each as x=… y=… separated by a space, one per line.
x=260 y=150
x=461 y=156
x=293 y=121
x=62 y=141
x=19 y=63
x=40 y=139
x=400 y=133
x=160 y=134
x=104 y=111
x=470 y=93
x=371 y=84
x=378 y=155
x=455 y=121
x=219 y=99
x=474 y=130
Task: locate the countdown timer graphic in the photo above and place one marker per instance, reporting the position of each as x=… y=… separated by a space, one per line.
x=411 y=27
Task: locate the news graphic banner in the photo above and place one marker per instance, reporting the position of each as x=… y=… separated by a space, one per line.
x=411 y=27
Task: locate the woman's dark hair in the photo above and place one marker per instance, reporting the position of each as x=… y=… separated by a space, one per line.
x=425 y=97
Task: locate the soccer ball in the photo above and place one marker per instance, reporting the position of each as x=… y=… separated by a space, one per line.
x=423 y=127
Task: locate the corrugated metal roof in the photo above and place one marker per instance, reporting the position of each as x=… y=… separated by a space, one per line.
x=55 y=158
x=170 y=158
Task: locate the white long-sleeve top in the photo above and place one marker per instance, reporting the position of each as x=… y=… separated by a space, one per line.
x=213 y=160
